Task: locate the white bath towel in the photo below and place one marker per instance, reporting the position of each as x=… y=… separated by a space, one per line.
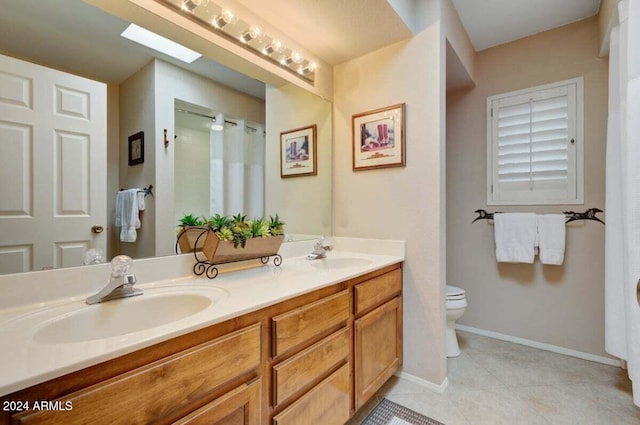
x=551 y=238
x=515 y=235
x=127 y=218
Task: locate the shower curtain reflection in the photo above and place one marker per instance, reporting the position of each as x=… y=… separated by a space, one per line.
x=237 y=168
x=218 y=172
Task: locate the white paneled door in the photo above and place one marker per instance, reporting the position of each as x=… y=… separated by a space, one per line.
x=52 y=166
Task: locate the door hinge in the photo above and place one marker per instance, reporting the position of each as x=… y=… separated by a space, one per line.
x=491 y=112
x=491 y=188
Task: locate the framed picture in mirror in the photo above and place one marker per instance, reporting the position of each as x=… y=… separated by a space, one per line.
x=136 y=148
x=298 y=152
x=378 y=138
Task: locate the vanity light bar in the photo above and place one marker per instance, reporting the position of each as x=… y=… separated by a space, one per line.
x=225 y=22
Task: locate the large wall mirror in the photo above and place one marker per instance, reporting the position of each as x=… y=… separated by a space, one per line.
x=145 y=92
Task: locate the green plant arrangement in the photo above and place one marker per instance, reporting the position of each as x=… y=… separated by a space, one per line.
x=190 y=229
x=259 y=237
x=276 y=226
x=218 y=222
x=238 y=229
x=190 y=220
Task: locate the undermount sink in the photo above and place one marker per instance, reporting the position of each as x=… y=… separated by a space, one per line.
x=340 y=262
x=124 y=316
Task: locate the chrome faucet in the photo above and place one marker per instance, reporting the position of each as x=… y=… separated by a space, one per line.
x=319 y=250
x=120 y=284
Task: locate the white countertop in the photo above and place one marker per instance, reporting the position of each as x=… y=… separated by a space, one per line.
x=25 y=362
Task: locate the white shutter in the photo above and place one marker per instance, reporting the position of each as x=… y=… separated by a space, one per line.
x=533 y=145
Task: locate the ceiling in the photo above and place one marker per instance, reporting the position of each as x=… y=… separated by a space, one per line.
x=73 y=36
x=493 y=22
x=334 y=30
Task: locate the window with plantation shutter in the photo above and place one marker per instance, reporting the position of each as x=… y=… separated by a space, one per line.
x=534 y=145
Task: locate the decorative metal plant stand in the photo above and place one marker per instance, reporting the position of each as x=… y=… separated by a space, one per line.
x=210 y=269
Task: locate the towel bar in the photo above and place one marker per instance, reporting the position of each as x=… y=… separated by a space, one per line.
x=589 y=214
x=147 y=190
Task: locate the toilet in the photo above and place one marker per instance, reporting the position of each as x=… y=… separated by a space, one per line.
x=455 y=303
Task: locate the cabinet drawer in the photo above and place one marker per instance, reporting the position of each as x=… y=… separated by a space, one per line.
x=328 y=403
x=240 y=406
x=310 y=366
x=373 y=292
x=303 y=324
x=154 y=391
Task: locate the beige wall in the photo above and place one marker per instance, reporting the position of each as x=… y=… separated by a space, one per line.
x=113 y=168
x=404 y=202
x=458 y=38
x=562 y=306
x=137 y=114
x=303 y=203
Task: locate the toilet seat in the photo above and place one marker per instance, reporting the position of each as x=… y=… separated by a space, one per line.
x=454 y=293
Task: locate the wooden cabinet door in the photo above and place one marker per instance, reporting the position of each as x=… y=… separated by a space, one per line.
x=240 y=406
x=378 y=348
x=328 y=403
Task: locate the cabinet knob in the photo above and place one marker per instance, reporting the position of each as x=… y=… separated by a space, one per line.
x=97 y=229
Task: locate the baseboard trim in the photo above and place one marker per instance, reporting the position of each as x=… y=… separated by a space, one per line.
x=542 y=346
x=423 y=382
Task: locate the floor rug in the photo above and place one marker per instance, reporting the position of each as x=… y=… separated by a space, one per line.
x=389 y=413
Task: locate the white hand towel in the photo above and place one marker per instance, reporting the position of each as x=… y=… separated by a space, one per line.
x=119 y=201
x=141 y=205
x=127 y=214
x=515 y=235
x=551 y=238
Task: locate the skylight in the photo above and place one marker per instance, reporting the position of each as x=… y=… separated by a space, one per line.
x=159 y=43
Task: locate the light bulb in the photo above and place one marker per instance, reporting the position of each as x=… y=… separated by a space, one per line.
x=227 y=17
x=293 y=58
x=274 y=47
x=250 y=34
x=309 y=68
x=190 y=5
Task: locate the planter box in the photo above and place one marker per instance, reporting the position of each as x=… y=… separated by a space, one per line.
x=188 y=236
x=218 y=251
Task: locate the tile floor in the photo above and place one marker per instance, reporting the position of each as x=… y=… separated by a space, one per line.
x=495 y=382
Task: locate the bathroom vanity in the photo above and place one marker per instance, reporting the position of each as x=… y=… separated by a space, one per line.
x=313 y=357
